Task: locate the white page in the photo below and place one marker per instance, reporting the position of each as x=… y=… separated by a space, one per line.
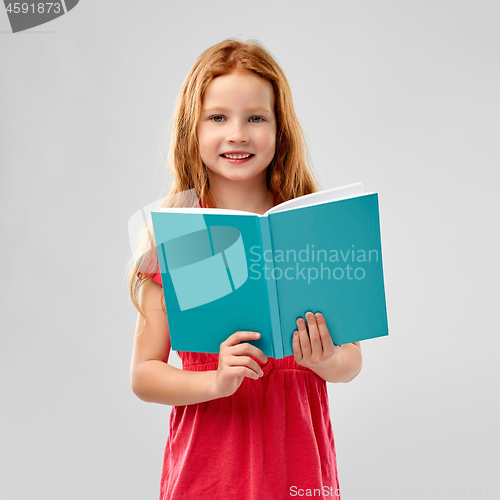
x=339 y=193
x=349 y=191
x=199 y=210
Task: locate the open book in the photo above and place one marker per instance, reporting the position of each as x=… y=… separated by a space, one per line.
x=225 y=271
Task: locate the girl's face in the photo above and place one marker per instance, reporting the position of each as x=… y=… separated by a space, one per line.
x=237 y=127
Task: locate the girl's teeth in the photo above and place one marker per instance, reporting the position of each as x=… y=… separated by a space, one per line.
x=237 y=157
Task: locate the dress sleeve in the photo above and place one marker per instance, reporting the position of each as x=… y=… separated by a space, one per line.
x=148 y=264
x=157 y=278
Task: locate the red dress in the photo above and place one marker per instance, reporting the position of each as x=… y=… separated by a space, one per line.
x=268 y=441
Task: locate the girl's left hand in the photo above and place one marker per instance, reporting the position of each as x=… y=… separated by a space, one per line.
x=316 y=349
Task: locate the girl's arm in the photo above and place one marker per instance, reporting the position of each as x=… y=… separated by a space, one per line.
x=155 y=381
x=152 y=379
x=316 y=351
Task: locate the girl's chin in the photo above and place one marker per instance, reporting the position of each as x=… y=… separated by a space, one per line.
x=238 y=175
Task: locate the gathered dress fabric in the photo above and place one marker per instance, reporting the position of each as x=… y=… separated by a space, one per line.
x=271 y=440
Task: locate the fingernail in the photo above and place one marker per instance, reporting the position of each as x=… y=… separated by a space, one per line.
x=261 y=373
x=310 y=316
x=257 y=335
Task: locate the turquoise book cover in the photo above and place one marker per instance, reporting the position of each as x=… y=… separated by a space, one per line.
x=225 y=271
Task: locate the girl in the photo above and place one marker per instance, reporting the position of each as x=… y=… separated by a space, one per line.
x=243 y=426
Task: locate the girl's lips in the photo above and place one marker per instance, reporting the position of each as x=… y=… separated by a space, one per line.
x=237 y=161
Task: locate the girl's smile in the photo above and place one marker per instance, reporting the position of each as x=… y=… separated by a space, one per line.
x=237 y=128
x=237 y=157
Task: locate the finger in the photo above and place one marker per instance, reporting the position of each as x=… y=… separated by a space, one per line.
x=249 y=350
x=305 y=344
x=245 y=361
x=316 y=347
x=326 y=338
x=238 y=337
x=244 y=371
x=297 y=350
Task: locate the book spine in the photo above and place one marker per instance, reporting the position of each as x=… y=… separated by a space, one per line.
x=272 y=291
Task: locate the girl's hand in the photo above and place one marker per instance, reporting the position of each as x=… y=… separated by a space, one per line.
x=315 y=350
x=235 y=363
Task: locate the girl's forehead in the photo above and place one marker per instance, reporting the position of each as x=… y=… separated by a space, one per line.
x=238 y=87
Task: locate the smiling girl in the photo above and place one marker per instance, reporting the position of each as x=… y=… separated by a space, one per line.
x=242 y=426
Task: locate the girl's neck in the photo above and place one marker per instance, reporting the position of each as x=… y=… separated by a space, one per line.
x=235 y=196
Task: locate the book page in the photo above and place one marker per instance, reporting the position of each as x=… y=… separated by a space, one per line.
x=198 y=210
x=338 y=193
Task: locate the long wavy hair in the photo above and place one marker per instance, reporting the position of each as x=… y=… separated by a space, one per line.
x=289 y=175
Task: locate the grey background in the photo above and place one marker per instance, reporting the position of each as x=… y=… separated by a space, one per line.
x=401 y=96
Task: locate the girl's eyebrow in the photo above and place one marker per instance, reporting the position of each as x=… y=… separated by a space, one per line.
x=222 y=108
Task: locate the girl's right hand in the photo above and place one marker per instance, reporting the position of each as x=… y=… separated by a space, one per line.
x=235 y=363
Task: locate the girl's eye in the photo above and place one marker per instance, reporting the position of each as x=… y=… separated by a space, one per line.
x=217 y=118
x=256 y=119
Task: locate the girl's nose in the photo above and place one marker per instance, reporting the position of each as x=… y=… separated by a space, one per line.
x=237 y=133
